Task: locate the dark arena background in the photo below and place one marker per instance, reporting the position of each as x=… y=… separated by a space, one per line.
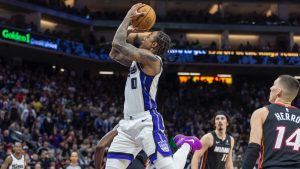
x=60 y=92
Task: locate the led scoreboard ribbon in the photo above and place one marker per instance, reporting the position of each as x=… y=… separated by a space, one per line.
x=28 y=38
x=174 y=55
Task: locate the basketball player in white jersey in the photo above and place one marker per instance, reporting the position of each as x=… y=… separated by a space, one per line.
x=16 y=160
x=142 y=127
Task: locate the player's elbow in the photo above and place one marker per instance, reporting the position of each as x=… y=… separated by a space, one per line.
x=100 y=146
x=112 y=54
x=116 y=45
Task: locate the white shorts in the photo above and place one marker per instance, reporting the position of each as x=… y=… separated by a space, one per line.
x=144 y=131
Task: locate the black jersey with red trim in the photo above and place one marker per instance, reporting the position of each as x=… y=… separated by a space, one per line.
x=215 y=157
x=281 y=138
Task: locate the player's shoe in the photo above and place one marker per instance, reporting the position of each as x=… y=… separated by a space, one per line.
x=193 y=141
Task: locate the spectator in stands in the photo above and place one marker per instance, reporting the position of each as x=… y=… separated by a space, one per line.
x=4 y=120
x=34 y=160
x=2 y=153
x=74 y=161
x=37 y=166
x=7 y=137
x=44 y=159
x=56 y=98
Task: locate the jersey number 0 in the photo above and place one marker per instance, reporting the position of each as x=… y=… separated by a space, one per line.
x=133 y=83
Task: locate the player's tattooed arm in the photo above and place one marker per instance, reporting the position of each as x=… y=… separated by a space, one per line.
x=119 y=57
x=121 y=34
x=145 y=57
x=118 y=54
x=132 y=53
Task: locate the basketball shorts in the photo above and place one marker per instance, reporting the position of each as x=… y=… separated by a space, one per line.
x=144 y=131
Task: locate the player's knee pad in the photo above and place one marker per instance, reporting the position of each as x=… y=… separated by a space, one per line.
x=164 y=162
x=112 y=163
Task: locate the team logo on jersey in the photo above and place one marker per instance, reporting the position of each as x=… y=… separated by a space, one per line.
x=164 y=145
x=17 y=166
x=220 y=149
x=227 y=142
x=132 y=69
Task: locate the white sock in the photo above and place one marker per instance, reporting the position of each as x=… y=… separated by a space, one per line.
x=180 y=156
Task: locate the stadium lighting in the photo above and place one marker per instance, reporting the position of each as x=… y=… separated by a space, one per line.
x=188 y=74
x=48 y=24
x=53 y=67
x=194 y=74
x=243 y=37
x=62 y=69
x=224 y=75
x=269 y=13
x=202 y=36
x=106 y=72
x=296 y=38
x=214 y=9
x=69 y=3
x=183 y=73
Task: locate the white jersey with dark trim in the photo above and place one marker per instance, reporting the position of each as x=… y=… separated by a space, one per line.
x=140 y=90
x=17 y=163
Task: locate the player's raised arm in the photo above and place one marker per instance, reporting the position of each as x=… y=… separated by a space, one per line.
x=129 y=52
x=120 y=47
x=143 y=56
x=119 y=57
x=207 y=141
x=121 y=34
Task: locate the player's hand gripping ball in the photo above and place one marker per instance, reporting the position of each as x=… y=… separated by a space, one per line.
x=145 y=21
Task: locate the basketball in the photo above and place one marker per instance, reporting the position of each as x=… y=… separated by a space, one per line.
x=146 y=21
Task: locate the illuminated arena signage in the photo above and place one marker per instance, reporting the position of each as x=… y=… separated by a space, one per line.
x=202 y=56
x=233 y=57
x=14 y=35
x=43 y=43
x=28 y=38
x=206 y=79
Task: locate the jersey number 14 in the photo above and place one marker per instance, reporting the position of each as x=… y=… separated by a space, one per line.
x=293 y=140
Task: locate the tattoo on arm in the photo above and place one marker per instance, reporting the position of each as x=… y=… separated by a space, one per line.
x=124 y=62
x=119 y=57
x=132 y=53
x=150 y=58
x=121 y=34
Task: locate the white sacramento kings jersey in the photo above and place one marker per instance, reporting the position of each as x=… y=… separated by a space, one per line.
x=17 y=163
x=140 y=90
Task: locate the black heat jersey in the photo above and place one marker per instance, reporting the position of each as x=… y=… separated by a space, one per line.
x=215 y=157
x=281 y=138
